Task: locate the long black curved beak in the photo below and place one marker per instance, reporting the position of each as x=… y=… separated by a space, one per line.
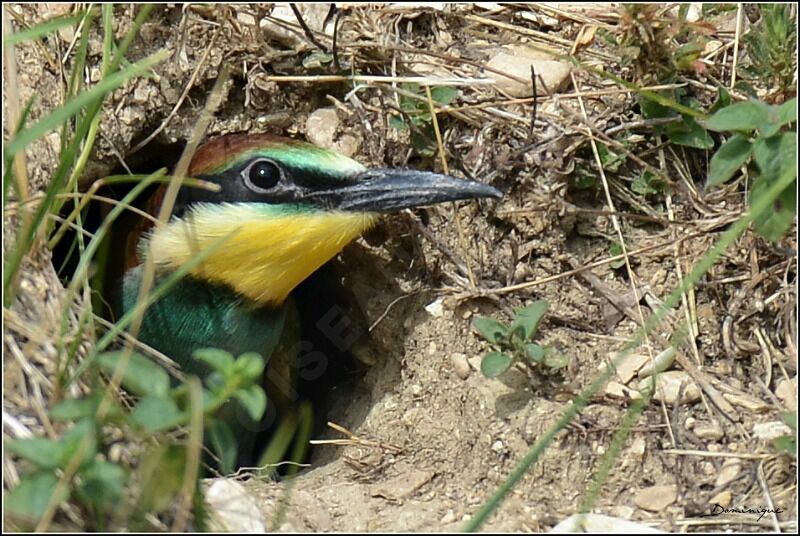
x=388 y=190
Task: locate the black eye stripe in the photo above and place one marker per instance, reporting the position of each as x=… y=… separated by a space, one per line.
x=265 y=180
x=315 y=179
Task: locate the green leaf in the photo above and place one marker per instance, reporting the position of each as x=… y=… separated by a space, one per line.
x=83 y=435
x=610 y=160
x=155 y=413
x=424 y=144
x=75 y=408
x=774 y=223
x=317 y=59
x=787 y=112
x=687 y=53
x=444 y=95
x=690 y=134
x=219 y=360
x=790 y=419
x=728 y=159
x=103 y=483
x=534 y=353
x=746 y=116
x=647 y=183
x=215 y=383
x=776 y=155
x=786 y=444
x=40 y=30
x=161 y=473
x=723 y=100
x=32 y=495
x=397 y=122
x=653 y=110
x=614 y=249
x=528 y=318
x=51 y=453
x=254 y=401
x=583 y=181
x=223 y=445
x=495 y=363
x=771 y=128
x=490 y=329
x=250 y=365
x=142 y=375
x=45 y=453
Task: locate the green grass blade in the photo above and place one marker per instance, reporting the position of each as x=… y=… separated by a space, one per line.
x=73 y=106
x=22 y=246
x=8 y=174
x=40 y=30
x=128 y=39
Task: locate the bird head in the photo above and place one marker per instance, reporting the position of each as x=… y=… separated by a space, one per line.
x=287 y=207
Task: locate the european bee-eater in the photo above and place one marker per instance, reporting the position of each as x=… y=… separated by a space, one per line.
x=288 y=208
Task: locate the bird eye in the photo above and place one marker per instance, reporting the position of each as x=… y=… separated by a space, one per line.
x=262 y=175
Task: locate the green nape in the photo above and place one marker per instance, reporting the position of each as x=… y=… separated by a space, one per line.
x=196 y=314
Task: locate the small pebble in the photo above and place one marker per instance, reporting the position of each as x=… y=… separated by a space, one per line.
x=672 y=383
x=767 y=431
x=708 y=431
x=786 y=391
x=435 y=308
x=656 y=498
x=723 y=498
x=730 y=469
x=460 y=365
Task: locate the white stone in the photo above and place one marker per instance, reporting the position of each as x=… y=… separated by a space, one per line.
x=321 y=126
x=730 y=469
x=517 y=61
x=709 y=431
x=767 y=431
x=600 y=524
x=786 y=391
x=656 y=498
x=435 y=307
x=672 y=383
x=231 y=506
x=460 y=365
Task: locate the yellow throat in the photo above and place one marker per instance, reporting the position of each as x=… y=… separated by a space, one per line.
x=270 y=250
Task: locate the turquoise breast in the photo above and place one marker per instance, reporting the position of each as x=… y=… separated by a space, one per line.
x=194 y=315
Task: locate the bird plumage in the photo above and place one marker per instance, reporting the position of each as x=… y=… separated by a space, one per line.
x=286 y=207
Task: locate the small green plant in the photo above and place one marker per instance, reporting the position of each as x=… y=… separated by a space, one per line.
x=514 y=343
x=771 y=47
x=157 y=417
x=759 y=134
x=788 y=444
x=614 y=249
x=647 y=183
x=655 y=44
x=416 y=116
x=684 y=130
